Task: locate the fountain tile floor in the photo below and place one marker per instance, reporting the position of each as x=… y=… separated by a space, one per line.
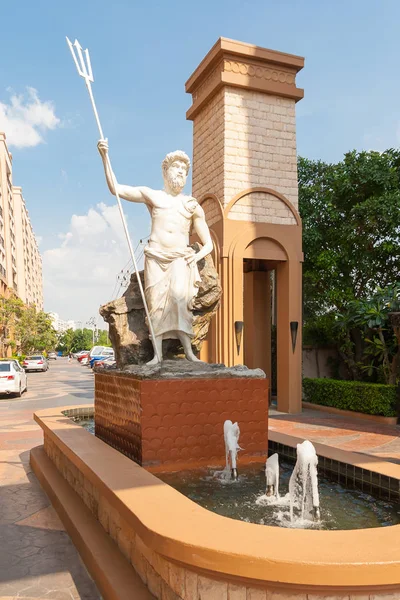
x=340 y=432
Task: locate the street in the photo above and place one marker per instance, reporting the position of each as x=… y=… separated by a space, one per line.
x=37 y=558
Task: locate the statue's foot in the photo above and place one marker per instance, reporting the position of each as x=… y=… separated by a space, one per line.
x=153 y=361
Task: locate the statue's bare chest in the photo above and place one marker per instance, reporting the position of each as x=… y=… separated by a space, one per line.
x=172 y=214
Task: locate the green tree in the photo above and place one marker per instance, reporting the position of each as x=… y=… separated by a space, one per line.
x=34 y=331
x=82 y=340
x=102 y=338
x=65 y=341
x=10 y=313
x=351 y=224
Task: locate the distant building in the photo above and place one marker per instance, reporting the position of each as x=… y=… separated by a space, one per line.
x=60 y=325
x=20 y=260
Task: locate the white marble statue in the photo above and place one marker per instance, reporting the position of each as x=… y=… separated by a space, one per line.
x=170 y=270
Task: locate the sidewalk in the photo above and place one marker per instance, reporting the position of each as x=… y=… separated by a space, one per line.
x=37 y=557
x=341 y=432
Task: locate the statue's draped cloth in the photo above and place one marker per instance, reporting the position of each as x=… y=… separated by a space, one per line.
x=171 y=286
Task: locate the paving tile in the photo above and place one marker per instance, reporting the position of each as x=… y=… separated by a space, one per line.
x=41 y=561
x=341 y=432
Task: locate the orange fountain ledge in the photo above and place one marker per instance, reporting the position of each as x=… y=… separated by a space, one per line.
x=169 y=529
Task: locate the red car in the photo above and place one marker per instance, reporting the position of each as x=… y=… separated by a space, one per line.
x=83 y=356
x=106 y=362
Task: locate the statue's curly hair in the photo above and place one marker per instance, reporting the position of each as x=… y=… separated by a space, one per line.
x=171 y=157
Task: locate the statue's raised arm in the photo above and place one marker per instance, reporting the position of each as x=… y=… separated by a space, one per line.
x=128 y=192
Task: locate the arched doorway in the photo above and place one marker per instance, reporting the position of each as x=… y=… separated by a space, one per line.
x=260 y=260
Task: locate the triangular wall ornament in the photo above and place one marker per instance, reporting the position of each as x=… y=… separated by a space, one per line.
x=238 y=334
x=294 y=325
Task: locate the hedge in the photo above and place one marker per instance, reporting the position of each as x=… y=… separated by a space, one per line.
x=368 y=398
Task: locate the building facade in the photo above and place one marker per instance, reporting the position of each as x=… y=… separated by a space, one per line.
x=60 y=325
x=20 y=259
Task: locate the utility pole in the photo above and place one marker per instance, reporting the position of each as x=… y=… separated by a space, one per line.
x=92 y=325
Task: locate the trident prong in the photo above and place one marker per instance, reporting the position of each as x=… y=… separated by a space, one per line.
x=84 y=68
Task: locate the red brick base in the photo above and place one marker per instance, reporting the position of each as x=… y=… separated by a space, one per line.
x=180 y=421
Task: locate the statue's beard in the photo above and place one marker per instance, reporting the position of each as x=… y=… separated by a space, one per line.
x=177 y=183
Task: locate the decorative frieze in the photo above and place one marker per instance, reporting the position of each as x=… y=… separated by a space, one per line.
x=245 y=66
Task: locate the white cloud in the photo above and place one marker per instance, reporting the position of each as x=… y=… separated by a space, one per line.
x=24 y=120
x=80 y=273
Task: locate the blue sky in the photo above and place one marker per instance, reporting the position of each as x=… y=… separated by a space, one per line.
x=142 y=54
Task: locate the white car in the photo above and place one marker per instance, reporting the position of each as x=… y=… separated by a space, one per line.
x=35 y=363
x=97 y=350
x=13 y=379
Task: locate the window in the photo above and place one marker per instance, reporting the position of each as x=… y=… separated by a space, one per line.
x=108 y=352
x=5 y=367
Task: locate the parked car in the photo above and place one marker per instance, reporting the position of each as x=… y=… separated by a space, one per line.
x=79 y=354
x=105 y=353
x=84 y=360
x=97 y=350
x=13 y=379
x=82 y=356
x=52 y=356
x=105 y=362
x=35 y=363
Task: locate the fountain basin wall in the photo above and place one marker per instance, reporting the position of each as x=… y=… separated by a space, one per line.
x=181 y=550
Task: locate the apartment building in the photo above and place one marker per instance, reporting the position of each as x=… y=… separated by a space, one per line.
x=29 y=261
x=60 y=325
x=20 y=260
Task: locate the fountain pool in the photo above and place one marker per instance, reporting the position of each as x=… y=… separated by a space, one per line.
x=342 y=507
x=245 y=499
x=176 y=546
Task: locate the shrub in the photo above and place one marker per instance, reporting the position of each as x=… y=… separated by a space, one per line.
x=19 y=357
x=368 y=398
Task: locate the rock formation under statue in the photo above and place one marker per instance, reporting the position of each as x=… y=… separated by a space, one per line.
x=129 y=333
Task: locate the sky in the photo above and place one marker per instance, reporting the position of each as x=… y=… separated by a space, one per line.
x=142 y=53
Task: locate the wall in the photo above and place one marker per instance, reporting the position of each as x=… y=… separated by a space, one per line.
x=315 y=361
x=259 y=144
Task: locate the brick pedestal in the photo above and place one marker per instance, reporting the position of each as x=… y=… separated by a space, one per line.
x=180 y=421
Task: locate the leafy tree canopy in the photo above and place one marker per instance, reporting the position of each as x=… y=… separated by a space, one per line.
x=351 y=223
x=81 y=339
x=32 y=331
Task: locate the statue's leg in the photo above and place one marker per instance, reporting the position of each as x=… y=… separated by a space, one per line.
x=158 y=343
x=186 y=342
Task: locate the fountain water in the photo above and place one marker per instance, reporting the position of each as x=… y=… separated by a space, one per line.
x=272 y=475
x=303 y=484
x=231 y=437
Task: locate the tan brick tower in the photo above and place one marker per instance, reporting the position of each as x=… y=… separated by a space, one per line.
x=245 y=178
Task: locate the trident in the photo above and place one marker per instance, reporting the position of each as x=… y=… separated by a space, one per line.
x=85 y=70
